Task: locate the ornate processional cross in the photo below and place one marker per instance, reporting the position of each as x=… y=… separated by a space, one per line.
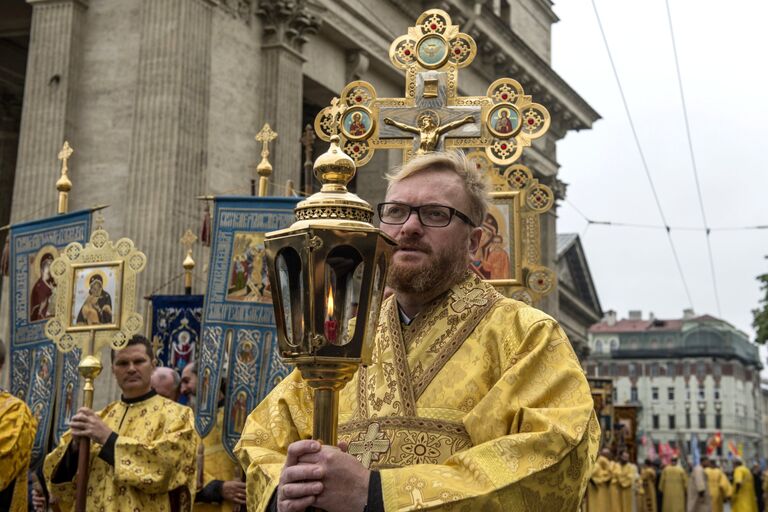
x=432 y=116
x=64 y=155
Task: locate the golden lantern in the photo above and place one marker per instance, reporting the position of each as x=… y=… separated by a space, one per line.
x=327 y=274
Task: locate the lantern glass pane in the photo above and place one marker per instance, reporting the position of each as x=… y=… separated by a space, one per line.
x=291 y=291
x=376 y=297
x=343 y=277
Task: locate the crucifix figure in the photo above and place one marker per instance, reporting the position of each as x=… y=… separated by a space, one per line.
x=428 y=128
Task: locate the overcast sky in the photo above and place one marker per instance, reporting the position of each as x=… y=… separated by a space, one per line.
x=724 y=71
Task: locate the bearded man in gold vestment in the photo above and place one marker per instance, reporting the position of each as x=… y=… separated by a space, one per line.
x=717 y=484
x=673 y=484
x=627 y=480
x=143 y=445
x=472 y=402
x=17 y=434
x=647 y=500
x=744 y=499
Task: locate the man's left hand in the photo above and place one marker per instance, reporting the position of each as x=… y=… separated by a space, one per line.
x=87 y=424
x=345 y=480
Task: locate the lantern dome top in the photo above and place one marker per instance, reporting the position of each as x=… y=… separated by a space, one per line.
x=334 y=169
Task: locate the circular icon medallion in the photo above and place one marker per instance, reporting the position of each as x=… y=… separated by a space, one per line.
x=504 y=121
x=357 y=123
x=432 y=51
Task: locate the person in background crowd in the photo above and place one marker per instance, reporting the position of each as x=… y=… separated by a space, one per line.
x=673 y=484
x=166 y=382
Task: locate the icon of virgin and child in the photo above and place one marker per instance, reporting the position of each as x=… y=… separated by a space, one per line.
x=97 y=306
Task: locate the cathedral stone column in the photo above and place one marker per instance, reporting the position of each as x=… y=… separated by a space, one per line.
x=46 y=119
x=168 y=143
x=287 y=23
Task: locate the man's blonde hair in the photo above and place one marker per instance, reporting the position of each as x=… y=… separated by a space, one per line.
x=475 y=182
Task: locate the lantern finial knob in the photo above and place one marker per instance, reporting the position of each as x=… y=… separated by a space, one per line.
x=334 y=169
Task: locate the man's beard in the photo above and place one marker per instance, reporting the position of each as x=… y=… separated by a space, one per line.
x=439 y=273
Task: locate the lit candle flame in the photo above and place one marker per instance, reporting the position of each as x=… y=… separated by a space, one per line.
x=329 y=306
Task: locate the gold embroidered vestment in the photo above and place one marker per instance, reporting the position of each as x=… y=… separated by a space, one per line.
x=479 y=404
x=17 y=433
x=155 y=463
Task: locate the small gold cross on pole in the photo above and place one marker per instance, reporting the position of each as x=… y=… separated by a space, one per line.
x=307 y=140
x=64 y=185
x=264 y=169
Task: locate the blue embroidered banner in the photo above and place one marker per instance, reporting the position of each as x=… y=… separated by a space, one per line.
x=39 y=373
x=176 y=328
x=238 y=317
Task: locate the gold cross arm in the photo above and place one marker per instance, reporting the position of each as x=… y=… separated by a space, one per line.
x=432 y=116
x=65 y=153
x=266 y=134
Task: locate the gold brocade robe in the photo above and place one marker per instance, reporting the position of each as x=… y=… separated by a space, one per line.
x=647 y=500
x=17 y=433
x=719 y=487
x=744 y=500
x=673 y=484
x=217 y=465
x=599 y=492
x=479 y=404
x=154 y=460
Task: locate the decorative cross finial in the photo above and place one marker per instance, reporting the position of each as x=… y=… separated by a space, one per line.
x=63 y=184
x=98 y=220
x=264 y=169
x=432 y=115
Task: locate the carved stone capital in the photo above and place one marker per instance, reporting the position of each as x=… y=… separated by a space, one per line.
x=288 y=22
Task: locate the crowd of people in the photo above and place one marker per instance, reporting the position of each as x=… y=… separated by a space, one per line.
x=617 y=485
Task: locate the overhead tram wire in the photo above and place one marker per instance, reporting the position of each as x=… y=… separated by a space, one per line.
x=642 y=156
x=693 y=158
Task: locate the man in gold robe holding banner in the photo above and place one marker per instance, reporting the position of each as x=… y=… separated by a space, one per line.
x=17 y=433
x=144 y=445
x=473 y=401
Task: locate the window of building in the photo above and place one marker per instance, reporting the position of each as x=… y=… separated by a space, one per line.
x=718 y=421
x=633 y=394
x=670 y=393
x=720 y=450
x=702 y=420
x=655 y=421
x=599 y=346
x=717 y=393
x=615 y=394
x=655 y=393
x=702 y=393
x=655 y=370
x=614 y=344
x=687 y=419
x=670 y=369
x=672 y=421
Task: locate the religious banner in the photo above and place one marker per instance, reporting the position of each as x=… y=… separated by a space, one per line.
x=39 y=373
x=176 y=323
x=239 y=330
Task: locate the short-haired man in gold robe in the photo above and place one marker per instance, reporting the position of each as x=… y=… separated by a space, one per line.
x=219 y=488
x=673 y=485
x=143 y=445
x=17 y=434
x=717 y=484
x=472 y=400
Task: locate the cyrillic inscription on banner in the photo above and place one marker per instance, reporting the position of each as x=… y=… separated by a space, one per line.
x=39 y=371
x=238 y=319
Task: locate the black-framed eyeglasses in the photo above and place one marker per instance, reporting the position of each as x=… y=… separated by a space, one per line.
x=431 y=215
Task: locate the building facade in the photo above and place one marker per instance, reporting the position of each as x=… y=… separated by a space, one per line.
x=695 y=375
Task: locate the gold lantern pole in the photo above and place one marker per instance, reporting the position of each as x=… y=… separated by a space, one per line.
x=264 y=169
x=331 y=249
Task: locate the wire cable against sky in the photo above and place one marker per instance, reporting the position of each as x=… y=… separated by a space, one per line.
x=642 y=156
x=693 y=158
